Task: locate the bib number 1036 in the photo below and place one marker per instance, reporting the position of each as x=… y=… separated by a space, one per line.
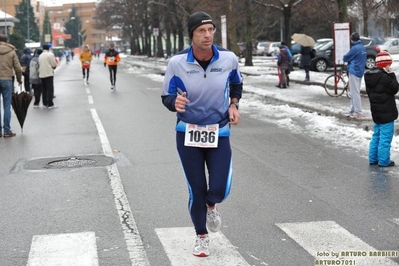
x=203 y=136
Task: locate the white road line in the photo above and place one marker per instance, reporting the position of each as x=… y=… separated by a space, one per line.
x=327 y=240
x=88 y=90
x=90 y=99
x=78 y=249
x=178 y=243
x=134 y=244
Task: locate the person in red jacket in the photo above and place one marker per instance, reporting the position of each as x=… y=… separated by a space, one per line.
x=111 y=58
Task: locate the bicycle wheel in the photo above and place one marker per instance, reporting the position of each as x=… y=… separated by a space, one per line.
x=332 y=82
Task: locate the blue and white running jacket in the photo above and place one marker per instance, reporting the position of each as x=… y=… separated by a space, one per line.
x=209 y=90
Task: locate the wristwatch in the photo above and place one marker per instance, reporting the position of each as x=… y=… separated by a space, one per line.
x=236 y=104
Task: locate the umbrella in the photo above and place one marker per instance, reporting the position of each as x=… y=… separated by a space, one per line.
x=303 y=39
x=20 y=102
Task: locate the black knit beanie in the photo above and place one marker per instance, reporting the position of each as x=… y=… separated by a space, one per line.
x=197 y=19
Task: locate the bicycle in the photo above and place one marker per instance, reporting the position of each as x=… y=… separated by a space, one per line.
x=336 y=84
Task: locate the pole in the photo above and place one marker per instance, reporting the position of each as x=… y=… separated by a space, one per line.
x=27 y=10
x=5 y=19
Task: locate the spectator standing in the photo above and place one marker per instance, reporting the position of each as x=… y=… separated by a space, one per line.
x=356 y=59
x=306 y=57
x=25 y=61
x=381 y=87
x=47 y=64
x=288 y=70
x=111 y=58
x=9 y=66
x=283 y=63
x=85 y=59
x=203 y=85
x=34 y=78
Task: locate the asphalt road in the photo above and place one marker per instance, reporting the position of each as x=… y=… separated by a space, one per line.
x=294 y=199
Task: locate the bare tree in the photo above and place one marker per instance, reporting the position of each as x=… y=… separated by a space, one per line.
x=285 y=7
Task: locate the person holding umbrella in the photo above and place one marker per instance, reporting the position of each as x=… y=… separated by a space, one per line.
x=9 y=64
x=307 y=43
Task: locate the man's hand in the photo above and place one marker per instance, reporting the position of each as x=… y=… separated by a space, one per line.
x=180 y=103
x=105 y=65
x=234 y=115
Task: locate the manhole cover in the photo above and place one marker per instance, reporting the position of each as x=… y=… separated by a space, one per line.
x=68 y=162
x=71 y=162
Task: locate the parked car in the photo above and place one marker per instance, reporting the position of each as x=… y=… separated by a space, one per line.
x=371 y=49
x=241 y=48
x=273 y=49
x=390 y=45
x=261 y=48
x=295 y=49
x=325 y=55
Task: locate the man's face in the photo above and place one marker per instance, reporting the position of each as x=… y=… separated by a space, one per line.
x=203 y=36
x=111 y=47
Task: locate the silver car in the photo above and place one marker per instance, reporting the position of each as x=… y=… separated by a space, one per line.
x=391 y=46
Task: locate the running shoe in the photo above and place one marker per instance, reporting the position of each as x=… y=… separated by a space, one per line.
x=349 y=114
x=213 y=220
x=201 y=248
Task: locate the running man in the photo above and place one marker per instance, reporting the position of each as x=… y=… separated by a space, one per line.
x=85 y=58
x=203 y=85
x=111 y=58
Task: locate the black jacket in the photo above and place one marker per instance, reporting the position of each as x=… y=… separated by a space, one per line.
x=381 y=88
x=25 y=60
x=305 y=55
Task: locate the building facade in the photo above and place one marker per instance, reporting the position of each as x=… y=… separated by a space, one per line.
x=59 y=14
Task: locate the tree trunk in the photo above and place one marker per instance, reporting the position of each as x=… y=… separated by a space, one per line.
x=365 y=18
x=248 y=34
x=342 y=11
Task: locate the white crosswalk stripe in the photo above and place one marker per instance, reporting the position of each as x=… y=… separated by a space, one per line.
x=178 y=244
x=328 y=241
x=78 y=249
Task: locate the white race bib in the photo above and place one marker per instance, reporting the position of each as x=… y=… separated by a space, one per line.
x=111 y=59
x=202 y=136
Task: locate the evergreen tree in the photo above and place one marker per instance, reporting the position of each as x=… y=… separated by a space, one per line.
x=18 y=41
x=27 y=26
x=46 y=28
x=74 y=27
